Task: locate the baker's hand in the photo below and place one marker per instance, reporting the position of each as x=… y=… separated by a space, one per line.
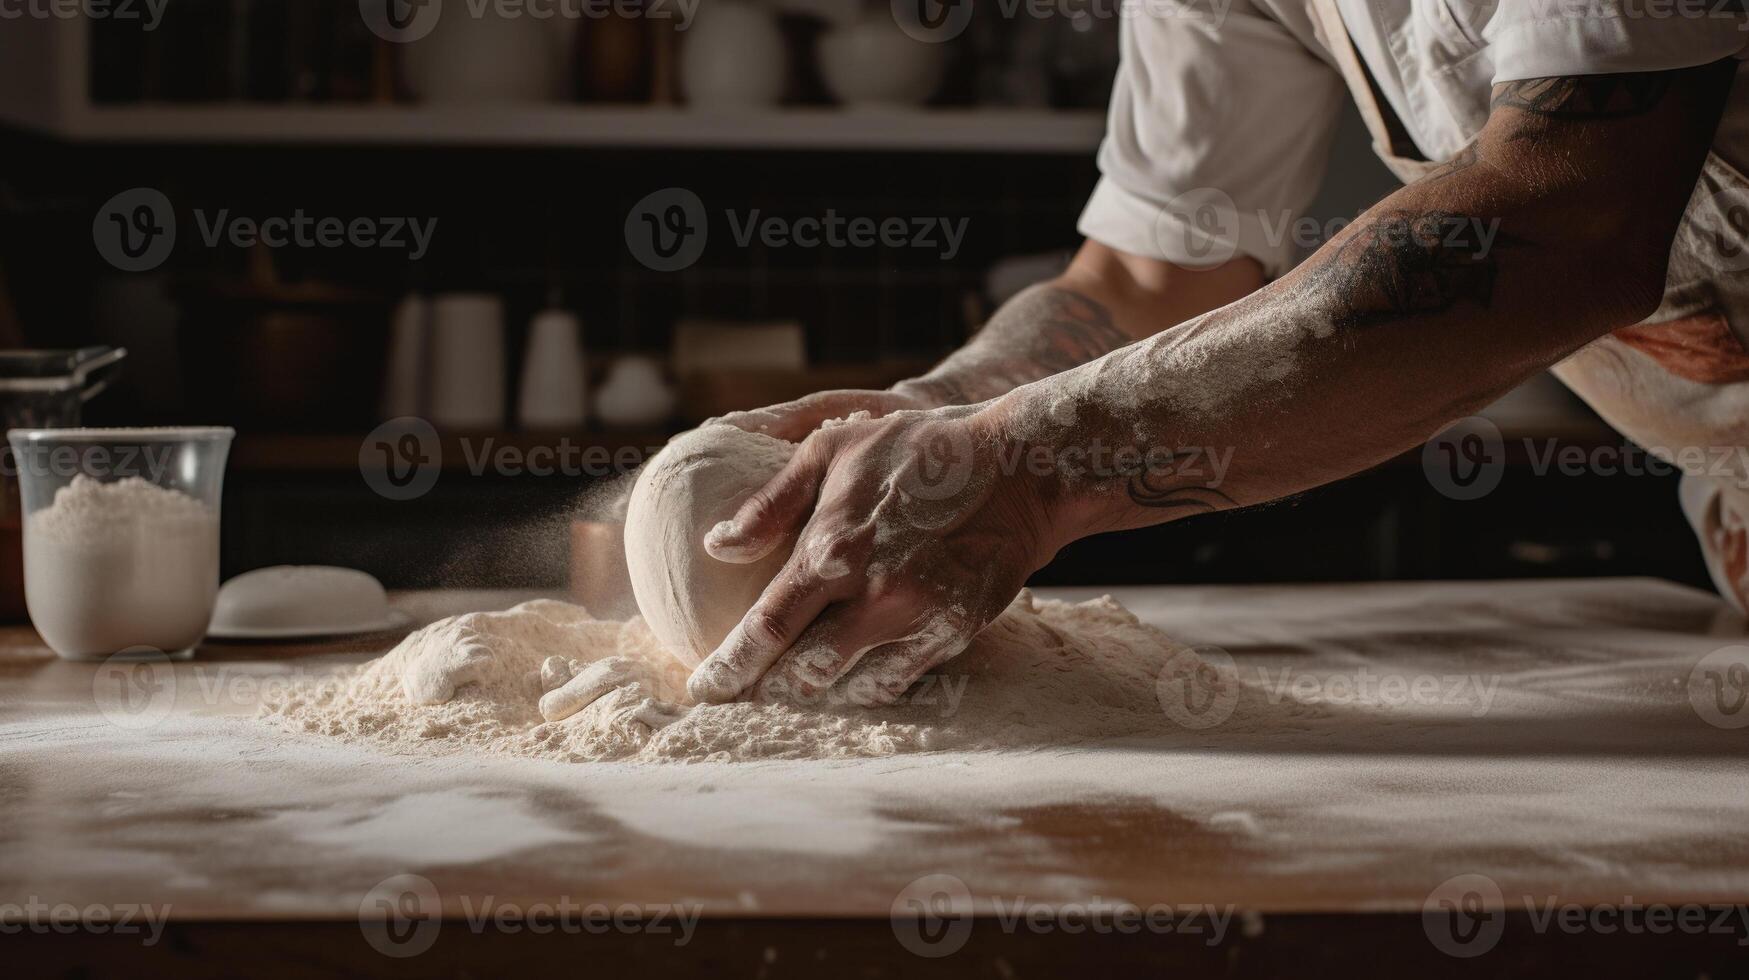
x=793 y=421
x=919 y=536
x=617 y=689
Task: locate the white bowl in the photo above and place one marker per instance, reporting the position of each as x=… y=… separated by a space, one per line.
x=875 y=63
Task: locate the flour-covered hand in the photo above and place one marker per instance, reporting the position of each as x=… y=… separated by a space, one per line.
x=794 y=420
x=913 y=537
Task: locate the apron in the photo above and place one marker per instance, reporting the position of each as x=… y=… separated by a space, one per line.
x=1676 y=384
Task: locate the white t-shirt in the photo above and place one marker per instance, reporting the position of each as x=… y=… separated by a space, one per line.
x=1244 y=102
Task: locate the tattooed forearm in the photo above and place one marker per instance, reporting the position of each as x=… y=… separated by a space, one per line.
x=1550 y=231
x=1176 y=499
x=1043 y=331
x=1407 y=264
x=1071 y=328
x=1587 y=96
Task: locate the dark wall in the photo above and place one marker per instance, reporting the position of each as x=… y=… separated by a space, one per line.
x=522 y=222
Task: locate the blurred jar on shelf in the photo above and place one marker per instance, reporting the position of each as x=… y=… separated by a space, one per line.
x=733 y=57
x=493 y=58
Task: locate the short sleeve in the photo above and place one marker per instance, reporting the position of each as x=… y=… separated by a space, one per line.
x=1219 y=135
x=1611 y=37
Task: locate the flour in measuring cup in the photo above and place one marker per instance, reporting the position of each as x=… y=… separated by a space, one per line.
x=108 y=566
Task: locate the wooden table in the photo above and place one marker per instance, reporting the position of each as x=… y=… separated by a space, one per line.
x=1588 y=780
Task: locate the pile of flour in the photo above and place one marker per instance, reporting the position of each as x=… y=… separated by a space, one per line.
x=1044 y=674
x=121 y=564
x=545 y=679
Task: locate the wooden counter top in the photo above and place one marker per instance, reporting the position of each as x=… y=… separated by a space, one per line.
x=1587 y=776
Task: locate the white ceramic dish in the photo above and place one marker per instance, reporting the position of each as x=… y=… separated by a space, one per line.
x=395 y=620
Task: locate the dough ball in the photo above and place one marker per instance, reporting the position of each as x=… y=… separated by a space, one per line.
x=690 y=599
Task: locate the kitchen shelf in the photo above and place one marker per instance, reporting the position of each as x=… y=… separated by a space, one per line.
x=45 y=64
x=798 y=128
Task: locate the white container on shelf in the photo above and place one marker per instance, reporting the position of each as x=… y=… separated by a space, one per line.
x=733 y=56
x=635 y=395
x=874 y=63
x=491 y=59
x=409 y=345
x=467 y=361
x=553 y=392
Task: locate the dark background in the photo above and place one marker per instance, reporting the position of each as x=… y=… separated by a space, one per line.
x=538 y=223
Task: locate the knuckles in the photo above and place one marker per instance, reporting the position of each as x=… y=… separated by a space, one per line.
x=764 y=630
x=892 y=593
x=816 y=668
x=837 y=553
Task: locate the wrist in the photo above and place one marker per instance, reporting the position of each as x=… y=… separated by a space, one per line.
x=930 y=392
x=1051 y=503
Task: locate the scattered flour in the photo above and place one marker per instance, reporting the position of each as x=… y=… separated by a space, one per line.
x=545 y=680
x=121 y=564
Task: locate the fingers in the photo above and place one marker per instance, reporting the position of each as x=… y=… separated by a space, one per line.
x=788 y=422
x=884 y=674
x=802 y=639
x=790 y=604
x=827 y=650
x=847 y=647
x=794 y=421
x=775 y=511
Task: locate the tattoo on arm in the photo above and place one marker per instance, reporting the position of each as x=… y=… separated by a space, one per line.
x=1409 y=264
x=1586 y=96
x=1163 y=494
x=1428 y=263
x=1460 y=161
x=1400 y=265
x=1072 y=329
x=1433 y=259
x=1043 y=331
x=1161 y=484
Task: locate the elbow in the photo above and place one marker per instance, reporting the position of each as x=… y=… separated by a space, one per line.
x=1633 y=292
x=1620 y=262
x=1642 y=263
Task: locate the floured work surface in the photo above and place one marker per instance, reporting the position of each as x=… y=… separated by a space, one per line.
x=1541 y=734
